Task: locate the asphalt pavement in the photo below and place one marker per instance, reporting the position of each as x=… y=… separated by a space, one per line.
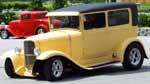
x=114 y=74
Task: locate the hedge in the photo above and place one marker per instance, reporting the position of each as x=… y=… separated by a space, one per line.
x=7 y=17
x=16 y=5
x=144 y=20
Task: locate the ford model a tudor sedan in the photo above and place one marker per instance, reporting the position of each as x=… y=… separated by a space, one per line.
x=91 y=36
x=30 y=23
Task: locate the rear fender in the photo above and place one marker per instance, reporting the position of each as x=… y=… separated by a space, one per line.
x=122 y=47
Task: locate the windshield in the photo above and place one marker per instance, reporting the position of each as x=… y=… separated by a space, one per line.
x=68 y=21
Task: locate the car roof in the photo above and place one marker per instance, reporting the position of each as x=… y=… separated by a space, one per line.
x=94 y=7
x=33 y=12
x=97 y=7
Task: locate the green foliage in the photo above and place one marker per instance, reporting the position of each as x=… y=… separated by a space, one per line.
x=15 y=5
x=97 y=0
x=1 y=7
x=8 y=16
x=144 y=8
x=144 y=20
x=48 y=7
x=36 y=5
x=86 y=1
x=59 y=4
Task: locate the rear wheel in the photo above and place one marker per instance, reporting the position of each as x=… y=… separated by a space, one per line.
x=134 y=56
x=54 y=69
x=9 y=69
x=4 y=34
x=40 y=30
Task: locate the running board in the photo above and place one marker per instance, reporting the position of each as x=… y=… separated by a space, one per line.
x=103 y=65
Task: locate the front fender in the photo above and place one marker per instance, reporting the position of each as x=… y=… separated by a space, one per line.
x=122 y=47
x=49 y=54
x=17 y=61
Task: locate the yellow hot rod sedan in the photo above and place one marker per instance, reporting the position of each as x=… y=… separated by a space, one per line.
x=91 y=36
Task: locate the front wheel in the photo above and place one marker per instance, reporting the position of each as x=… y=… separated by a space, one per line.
x=133 y=57
x=4 y=34
x=54 y=69
x=9 y=69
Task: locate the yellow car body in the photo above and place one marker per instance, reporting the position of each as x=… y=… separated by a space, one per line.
x=88 y=49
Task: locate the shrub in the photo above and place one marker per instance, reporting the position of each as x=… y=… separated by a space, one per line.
x=48 y=7
x=144 y=8
x=8 y=16
x=36 y=5
x=144 y=20
x=15 y=5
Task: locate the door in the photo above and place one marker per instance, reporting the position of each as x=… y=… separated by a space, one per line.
x=96 y=39
x=27 y=25
x=120 y=26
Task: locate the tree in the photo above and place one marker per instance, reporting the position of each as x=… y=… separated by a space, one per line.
x=87 y=1
x=59 y=4
x=36 y=5
x=1 y=6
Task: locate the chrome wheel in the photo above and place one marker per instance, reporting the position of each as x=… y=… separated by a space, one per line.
x=57 y=68
x=40 y=31
x=135 y=56
x=54 y=69
x=4 y=34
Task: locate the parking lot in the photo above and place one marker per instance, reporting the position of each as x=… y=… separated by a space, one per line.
x=109 y=75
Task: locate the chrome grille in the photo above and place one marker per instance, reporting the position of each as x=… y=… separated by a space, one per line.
x=28 y=51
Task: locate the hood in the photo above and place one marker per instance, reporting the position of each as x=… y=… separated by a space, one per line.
x=14 y=21
x=53 y=35
x=60 y=40
x=57 y=40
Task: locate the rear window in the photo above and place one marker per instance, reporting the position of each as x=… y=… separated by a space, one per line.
x=27 y=16
x=118 y=17
x=43 y=15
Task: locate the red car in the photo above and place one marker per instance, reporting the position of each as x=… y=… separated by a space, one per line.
x=30 y=23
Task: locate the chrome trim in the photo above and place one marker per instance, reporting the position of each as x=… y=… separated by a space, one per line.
x=29 y=54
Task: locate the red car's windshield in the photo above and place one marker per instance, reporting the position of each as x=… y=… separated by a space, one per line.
x=68 y=21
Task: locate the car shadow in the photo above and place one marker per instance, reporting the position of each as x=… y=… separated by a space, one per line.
x=109 y=71
x=18 y=38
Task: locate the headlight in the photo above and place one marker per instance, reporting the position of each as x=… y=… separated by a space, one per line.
x=37 y=51
x=17 y=50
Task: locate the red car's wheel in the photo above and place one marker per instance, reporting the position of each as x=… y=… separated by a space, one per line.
x=40 y=30
x=4 y=34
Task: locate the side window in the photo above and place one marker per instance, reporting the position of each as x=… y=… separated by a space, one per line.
x=42 y=15
x=24 y=17
x=119 y=17
x=94 y=21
